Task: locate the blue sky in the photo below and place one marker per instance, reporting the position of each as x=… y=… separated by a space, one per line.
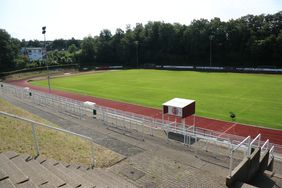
x=23 y=19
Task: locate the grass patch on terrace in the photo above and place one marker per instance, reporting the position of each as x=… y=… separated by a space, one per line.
x=16 y=135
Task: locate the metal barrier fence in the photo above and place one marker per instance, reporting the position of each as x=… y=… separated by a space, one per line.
x=34 y=124
x=131 y=121
x=63 y=104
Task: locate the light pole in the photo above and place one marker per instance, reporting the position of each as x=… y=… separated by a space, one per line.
x=211 y=38
x=137 y=58
x=46 y=61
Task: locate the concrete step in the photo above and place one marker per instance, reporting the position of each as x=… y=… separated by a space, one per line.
x=27 y=184
x=58 y=172
x=9 y=168
x=73 y=167
x=121 y=179
x=3 y=175
x=95 y=179
x=84 y=182
x=47 y=185
x=11 y=154
x=112 y=182
x=50 y=176
x=6 y=183
x=118 y=180
x=106 y=181
x=28 y=169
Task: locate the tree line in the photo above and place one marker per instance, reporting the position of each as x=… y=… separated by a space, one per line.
x=249 y=41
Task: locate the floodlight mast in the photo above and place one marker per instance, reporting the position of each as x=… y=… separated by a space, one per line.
x=46 y=61
x=137 y=58
x=211 y=38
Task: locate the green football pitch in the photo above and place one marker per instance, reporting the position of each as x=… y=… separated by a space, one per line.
x=254 y=98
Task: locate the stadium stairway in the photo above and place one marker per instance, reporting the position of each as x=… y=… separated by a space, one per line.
x=23 y=171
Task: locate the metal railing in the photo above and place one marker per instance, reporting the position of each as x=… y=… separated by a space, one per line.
x=246 y=140
x=153 y=124
x=248 y=145
x=35 y=139
x=258 y=137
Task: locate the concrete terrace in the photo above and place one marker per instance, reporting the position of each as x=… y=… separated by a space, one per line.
x=154 y=162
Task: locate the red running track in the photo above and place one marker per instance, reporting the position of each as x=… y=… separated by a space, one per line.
x=275 y=136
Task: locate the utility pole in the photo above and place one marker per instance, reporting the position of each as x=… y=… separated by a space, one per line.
x=46 y=61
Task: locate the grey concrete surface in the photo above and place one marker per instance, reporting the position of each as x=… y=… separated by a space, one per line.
x=164 y=163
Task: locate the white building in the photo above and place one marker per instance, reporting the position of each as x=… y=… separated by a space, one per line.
x=33 y=54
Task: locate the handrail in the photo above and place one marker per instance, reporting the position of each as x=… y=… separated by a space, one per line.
x=250 y=147
x=235 y=148
x=271 y=149
x=123 y=117
x=265 y=143
x=53 y=128
x=271 y=155
x=241 y=143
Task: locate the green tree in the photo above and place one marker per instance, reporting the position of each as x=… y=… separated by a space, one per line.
x=59 y=44
x=8 y=51
x=88 y=51
x=250 y=41
x=33 y=43
x=72 y=48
